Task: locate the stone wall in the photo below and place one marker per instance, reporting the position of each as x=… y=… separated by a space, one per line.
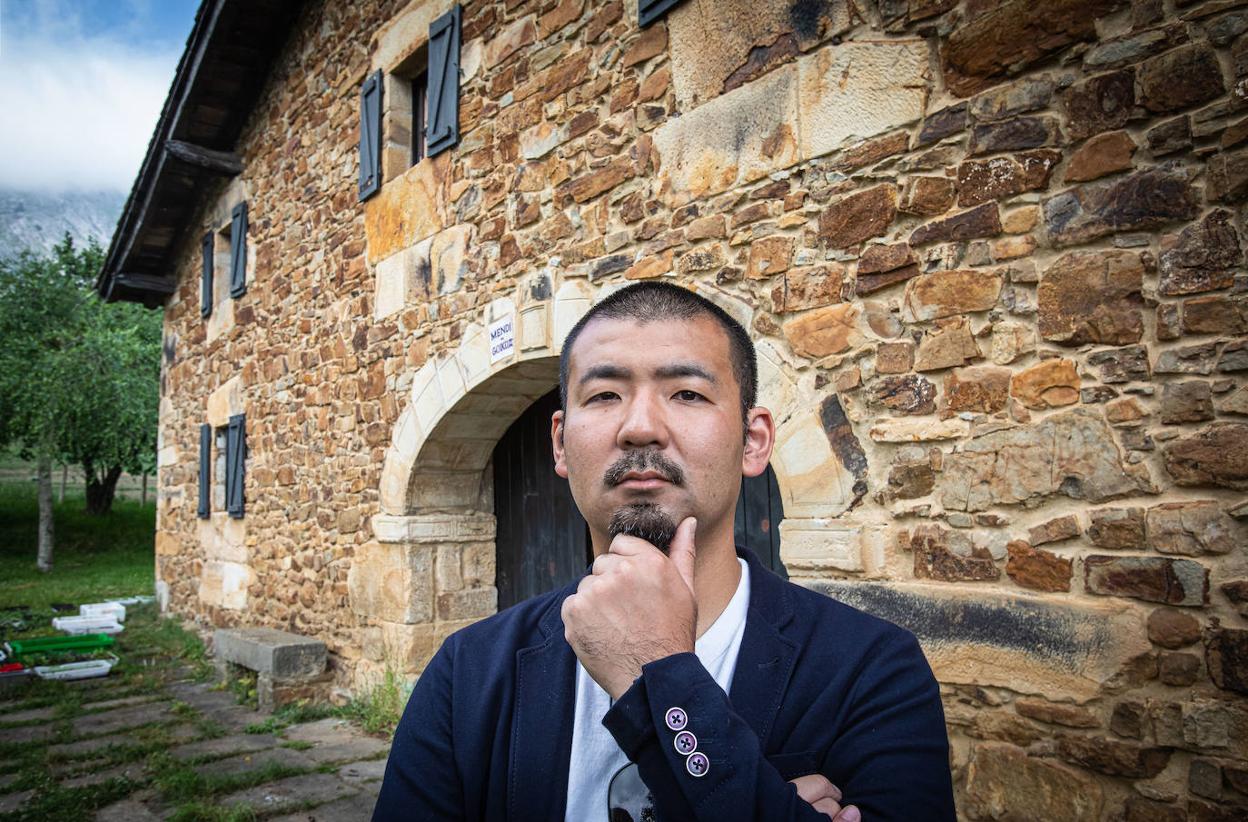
x=992 y=256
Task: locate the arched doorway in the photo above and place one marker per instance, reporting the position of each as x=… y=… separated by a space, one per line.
x=543 y=542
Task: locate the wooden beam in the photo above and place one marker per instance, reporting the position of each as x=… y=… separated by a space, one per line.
x=218 y=162
x=150 y=283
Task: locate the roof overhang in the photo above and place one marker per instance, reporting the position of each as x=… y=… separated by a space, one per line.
x=227 y=60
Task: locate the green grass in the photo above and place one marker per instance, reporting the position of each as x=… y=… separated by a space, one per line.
x=94 y=557
x=378 y=709
x=153 y=651
x=293 y=713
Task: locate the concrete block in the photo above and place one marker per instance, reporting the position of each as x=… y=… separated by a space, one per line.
x=280 y=654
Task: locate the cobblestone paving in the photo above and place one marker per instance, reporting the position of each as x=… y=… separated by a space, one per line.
x=170 y=747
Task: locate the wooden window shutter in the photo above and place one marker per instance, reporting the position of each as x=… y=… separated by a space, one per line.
x=238 y=251
x=235 y=455
x=442 y=97
x=370 y=136
x=650 y=10
x=205 y=471
x=205 y=289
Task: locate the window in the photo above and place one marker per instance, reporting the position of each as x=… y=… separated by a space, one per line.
x=411 y=112
x=404 y=114
x=205 y=471
x=224 y=262
x=417 y=85
x=218 y=469
x=222 y=458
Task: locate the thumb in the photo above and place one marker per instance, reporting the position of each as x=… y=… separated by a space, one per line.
x=683 y=551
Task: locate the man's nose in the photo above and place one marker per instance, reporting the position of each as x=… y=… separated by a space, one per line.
x=643 y=424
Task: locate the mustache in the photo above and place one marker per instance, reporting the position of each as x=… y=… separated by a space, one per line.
x=643 y=461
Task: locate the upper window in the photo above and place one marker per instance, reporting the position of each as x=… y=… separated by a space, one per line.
x=224 y=261
x=418 y=92
x=411 y=112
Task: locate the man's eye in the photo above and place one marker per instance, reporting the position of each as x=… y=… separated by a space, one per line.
x=688 y=396
x=602 y=396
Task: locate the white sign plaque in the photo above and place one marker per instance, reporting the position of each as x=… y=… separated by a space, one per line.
x=502 y=338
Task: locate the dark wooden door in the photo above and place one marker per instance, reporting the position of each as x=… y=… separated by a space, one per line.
x=543 y=542
x=757 y=525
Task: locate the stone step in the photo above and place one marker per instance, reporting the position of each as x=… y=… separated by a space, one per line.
x=129 y=770
x=224 y=746
x=9 y=803
x=251 y=762
x=18 y=717
x=336 y=740
x=351 y=809
x=287 y=794
x=122 y=719
x=127 y=810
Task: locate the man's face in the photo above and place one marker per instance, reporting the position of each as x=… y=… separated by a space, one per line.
x=652 y=427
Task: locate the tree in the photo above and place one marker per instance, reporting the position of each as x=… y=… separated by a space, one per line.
x=79 y=380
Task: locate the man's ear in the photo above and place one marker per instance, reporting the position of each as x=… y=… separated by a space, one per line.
x=556 y=443
x=760 y=438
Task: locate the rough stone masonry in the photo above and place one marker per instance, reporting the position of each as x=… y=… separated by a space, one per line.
x=992 y=254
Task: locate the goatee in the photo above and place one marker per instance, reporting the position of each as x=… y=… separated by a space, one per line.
x=644 y=520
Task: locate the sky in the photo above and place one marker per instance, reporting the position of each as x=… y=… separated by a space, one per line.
x=81 y=87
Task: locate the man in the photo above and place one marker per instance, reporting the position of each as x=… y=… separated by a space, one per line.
x=678 y=679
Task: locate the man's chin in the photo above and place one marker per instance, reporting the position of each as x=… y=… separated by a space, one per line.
x=644 y=520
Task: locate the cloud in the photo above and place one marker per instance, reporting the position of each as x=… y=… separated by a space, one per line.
x=81 y=98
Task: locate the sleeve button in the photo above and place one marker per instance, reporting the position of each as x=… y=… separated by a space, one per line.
x=686 y=743
x=697 y=764
x=676 y=719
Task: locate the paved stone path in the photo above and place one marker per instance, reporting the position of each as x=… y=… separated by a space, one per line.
x=127 y=749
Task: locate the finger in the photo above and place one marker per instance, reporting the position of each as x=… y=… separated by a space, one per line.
x=626 y=545
x=683 y=551
x=605 y=563
x=828 y=806
x=814 y=787
x=848 y=814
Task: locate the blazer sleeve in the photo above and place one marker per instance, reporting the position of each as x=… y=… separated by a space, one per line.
x=421 y=781
x=895 y=726
x=739 y=784
x=891 y=754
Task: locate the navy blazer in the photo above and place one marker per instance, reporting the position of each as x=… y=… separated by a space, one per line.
x=818 y=687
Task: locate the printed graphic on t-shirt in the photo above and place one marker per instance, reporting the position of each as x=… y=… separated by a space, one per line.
x=628 y=798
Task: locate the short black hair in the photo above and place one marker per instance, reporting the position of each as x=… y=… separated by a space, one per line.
x=654 y=300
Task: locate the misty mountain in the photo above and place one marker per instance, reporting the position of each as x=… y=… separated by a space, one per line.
x=38 y=220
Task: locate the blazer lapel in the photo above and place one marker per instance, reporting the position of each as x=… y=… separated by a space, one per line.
x=765 y=661
x=541 y=731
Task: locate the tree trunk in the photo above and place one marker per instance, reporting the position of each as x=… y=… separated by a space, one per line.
x=100 y=491
x=64 y=480
x=45 y=514
x=144 y=503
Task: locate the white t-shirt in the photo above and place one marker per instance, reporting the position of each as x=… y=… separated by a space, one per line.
x=595 y=756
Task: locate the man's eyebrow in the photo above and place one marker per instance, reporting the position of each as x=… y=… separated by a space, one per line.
x=684 y=369
x=604 y=372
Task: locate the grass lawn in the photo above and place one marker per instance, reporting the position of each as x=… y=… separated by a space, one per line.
x=94 y=557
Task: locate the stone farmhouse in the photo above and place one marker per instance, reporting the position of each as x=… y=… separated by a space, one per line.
x=991 y=252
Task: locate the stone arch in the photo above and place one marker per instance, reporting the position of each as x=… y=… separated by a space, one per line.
x=430 y=569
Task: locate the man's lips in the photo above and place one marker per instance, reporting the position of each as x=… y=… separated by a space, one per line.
x=644 y=479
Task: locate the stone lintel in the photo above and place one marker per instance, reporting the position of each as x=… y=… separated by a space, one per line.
x=437 y=528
